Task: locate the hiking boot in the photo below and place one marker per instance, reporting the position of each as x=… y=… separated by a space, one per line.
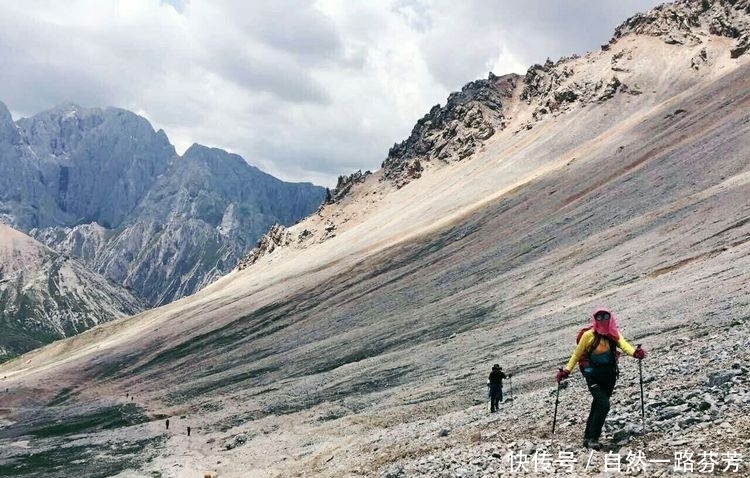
x=592 y=443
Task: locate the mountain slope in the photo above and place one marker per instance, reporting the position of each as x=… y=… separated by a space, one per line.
x=47 y=296
x=359 y=343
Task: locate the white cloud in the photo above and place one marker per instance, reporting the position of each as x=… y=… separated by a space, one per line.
x=304 y=90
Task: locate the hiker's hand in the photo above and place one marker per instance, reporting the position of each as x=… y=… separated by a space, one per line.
x=562 y=374
x=639 y=353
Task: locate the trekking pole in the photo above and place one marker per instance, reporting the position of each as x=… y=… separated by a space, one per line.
x=510 y=385
x=643 y=411
x=557 y=400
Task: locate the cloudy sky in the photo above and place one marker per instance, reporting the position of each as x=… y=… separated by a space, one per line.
x=304 y=90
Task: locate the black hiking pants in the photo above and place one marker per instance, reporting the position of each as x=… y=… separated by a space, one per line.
x=601 y=384
x=496 y=396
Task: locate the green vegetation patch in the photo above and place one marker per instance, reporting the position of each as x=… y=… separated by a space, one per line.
x=112 y=366
x=218 y=381
x=227 y=335
x=61 y=396
x=104 y=419
x=86 y=460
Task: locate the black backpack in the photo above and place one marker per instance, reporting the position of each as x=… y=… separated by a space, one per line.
x=585 y=361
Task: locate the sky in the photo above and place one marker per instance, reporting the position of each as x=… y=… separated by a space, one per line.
x=304 y=90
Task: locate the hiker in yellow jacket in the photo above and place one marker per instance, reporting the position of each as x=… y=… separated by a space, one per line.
x=596 y=355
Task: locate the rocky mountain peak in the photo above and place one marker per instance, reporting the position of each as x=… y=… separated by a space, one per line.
x=217 y=160
x=61 y=131
x=71 y=109
x=680 y=22
x=58 y=131
x=454 y=131
x=471 y=116
x=8 y=130
x=101 y=185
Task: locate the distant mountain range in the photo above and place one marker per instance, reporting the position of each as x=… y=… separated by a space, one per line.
x=103 y=186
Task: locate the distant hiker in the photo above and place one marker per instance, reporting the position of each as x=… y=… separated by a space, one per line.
x=167 y=423
x=188 y=430
x=596 y=355
x=495 y=384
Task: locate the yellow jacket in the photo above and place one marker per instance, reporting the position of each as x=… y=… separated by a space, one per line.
x=587 y=339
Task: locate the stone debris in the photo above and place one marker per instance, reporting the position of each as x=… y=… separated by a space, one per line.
x=695 y=419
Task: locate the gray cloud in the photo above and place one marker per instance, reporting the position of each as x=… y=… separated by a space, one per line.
x=305 y=90
x=286 y=81
x=47 y=62
x=295 y=28
x=465 y=36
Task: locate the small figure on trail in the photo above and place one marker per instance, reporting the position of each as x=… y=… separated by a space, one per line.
x=167 y=423
x=495 y=384
x=596 y=355
x=188 y=430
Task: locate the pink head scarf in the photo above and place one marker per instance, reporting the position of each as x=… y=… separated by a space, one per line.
x=605 y=327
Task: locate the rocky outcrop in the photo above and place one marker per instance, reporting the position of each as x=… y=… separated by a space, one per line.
x=452 y=132
x=678 y=22
x=552 y=89
x=277 y=236
x=344 y=186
